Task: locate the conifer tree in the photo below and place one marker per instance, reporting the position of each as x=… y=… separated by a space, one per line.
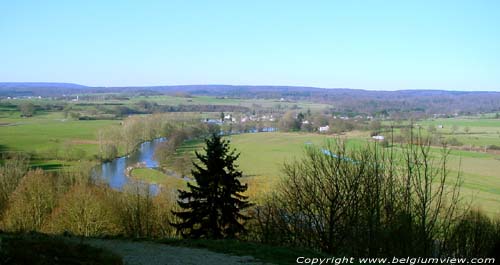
x=212 y=208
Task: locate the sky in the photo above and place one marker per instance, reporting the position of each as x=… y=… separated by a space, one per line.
x=377 y=45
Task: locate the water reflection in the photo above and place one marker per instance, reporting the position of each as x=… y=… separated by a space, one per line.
x=113 y=172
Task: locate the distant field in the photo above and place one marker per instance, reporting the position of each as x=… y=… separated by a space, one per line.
x=49 y=132
x=207 y=100
x=263 y=154
x=481 y=131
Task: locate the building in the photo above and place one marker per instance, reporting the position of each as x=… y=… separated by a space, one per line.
x=324 y=128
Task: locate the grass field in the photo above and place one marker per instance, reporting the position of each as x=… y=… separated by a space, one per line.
x=50 y=132
x=263 y=154
x=470 y=131
x=482 y=132
x=208 y=100
x=157 y=177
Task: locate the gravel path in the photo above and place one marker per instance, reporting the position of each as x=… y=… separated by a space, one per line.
x=146 y=253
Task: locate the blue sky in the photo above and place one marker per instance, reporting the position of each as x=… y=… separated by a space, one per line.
x=385 y=45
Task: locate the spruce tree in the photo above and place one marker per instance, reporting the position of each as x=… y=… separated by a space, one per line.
x=212 y=208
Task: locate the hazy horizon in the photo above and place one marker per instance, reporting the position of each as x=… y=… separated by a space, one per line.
x=445 y=45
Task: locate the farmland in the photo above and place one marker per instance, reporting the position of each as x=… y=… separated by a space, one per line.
x=57 y=140
x=50 y=135
x=69 y=138
x=263 y=154
x=473 y=131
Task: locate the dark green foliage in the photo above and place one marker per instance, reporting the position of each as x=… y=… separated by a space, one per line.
x=212 y=208
x=46 y=250
x=27 y=109
x=494 y=147
x=454 y=142
x=475 y=235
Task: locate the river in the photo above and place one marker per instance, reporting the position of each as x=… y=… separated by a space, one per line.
x=113 y=172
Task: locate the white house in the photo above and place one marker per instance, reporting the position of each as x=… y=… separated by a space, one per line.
x=324 y=128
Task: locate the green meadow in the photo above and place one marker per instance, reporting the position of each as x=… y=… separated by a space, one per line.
x=263 y=154
x=48 y=133
x=154 y=176
x=209 y=100
x=477 y=131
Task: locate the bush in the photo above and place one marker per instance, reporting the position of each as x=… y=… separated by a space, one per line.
x=85 y=210
x=362 y=202
x=454 y=142
x=494 y=147
x=31 y=202
x=475 y=235
x=143 y=215
x=11 y=173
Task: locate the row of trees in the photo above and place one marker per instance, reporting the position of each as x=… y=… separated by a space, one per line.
x=137 y=129
x=166 y=153
x=311 y=121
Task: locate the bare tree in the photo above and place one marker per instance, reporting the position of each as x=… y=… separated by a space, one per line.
x=84 y=210
x=31 y=202
x=366 y=201
x=11 y=173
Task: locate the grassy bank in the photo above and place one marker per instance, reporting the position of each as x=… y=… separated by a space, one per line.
x=157 y=177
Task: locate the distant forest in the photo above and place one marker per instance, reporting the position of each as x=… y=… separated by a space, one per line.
x=342 y=100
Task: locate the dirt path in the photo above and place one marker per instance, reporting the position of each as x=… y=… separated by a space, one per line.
x=146 y=253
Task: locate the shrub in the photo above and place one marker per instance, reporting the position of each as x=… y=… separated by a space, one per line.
x=142 y=214
x=31 y=202
x=362 y=202
x=494 y=147
x=454 y=142
x=475 y=235
x=85 y=210
x=11 y=173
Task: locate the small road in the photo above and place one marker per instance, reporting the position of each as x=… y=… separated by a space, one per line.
x=148 y=253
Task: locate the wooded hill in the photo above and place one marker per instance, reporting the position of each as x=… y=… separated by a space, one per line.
x=342 y=99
